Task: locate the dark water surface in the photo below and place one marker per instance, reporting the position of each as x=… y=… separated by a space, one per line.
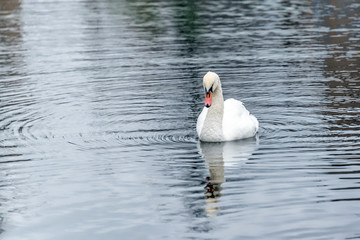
x=98 y=108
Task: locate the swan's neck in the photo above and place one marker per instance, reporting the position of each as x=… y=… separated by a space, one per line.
x=212 y=130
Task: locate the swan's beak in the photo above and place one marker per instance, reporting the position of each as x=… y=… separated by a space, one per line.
x=208 y=98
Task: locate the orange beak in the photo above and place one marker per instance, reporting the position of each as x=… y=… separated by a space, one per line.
x=208 y=98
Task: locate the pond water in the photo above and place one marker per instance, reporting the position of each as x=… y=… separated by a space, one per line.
x=98 y=108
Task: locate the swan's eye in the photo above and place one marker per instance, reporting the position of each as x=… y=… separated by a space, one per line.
x=210 y=90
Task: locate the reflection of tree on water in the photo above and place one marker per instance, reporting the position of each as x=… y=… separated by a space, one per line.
x=342 y=65
x=10 y=26
x=10 y=60
x=218 y=157
x=10 y=36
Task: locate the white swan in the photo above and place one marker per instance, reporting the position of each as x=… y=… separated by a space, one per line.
x=223 y=121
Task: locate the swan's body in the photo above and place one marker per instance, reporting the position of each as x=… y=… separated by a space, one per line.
x=223 y=121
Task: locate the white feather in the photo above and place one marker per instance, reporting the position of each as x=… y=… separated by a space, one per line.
x=200 y=120
x=224 y=121
x=238 y=123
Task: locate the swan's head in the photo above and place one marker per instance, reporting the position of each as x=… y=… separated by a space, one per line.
x=210 y=81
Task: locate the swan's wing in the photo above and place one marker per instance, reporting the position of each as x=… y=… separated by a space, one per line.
x=201 y=120
x=234 y=109
x=238 y=123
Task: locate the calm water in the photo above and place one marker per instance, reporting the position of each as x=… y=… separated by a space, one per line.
x=98 y=108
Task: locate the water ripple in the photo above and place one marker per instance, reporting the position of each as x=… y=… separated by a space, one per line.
x=98 y=108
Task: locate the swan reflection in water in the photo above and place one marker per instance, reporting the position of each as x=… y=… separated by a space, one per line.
x=219 y=157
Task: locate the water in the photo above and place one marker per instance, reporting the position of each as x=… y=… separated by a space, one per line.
x=98 y=108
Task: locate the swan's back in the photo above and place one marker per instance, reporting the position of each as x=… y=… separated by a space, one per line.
x=238 y=123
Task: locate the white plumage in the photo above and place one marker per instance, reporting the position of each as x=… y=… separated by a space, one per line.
x=223 y=121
